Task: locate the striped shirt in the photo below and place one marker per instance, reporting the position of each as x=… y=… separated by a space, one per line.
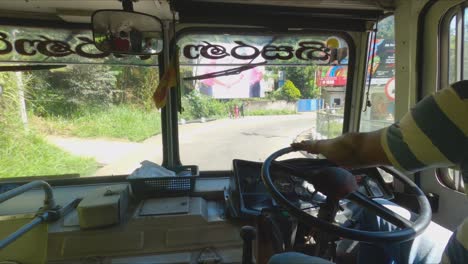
x=435 y=134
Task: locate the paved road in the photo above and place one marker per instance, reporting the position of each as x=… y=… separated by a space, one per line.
x=211 y=145
x=253 y=138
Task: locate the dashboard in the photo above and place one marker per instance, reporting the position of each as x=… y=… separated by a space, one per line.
x=182 y=229
x=247 y=195
x=153 y=229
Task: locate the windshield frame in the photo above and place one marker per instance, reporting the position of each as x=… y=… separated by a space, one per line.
x=67 y=180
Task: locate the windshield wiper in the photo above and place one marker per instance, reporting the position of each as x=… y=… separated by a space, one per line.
x=232 y=71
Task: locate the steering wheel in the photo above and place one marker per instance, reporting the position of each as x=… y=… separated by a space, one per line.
x=338 y=183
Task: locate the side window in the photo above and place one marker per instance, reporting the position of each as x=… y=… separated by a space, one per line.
x=454 y=44
x=67 y=110
x=452 y=39
x=380 y=79
x=464 y=46
x=453 y=68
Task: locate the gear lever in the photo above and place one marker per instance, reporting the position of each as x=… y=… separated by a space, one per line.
x=248 y=234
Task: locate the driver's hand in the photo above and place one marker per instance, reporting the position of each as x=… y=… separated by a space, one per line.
x=335 y=150
x=349 y=150
x=311 y=146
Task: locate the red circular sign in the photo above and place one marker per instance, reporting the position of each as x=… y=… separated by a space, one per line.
x=390 y=89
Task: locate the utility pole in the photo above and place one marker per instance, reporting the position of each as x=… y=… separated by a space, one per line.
x=22 y=102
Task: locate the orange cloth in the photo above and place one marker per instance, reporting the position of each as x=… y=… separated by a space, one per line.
x=168 y=80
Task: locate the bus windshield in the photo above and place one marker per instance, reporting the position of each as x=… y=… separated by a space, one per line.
x=246 y=95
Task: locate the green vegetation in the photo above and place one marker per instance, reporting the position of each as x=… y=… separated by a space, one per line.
x=79 y=100
x=25 y=153
x=30 y=155
x=330 y=128
x=196 y=105
x=334 y=129
x=9 y=103
x=386 y=28
x=304 y=78
x=330 y=125
x=125 y=122
x=288 y=92
x=67 y=92
x=94 y=101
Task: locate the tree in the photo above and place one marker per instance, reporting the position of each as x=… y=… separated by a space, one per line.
x=135 y=85
x=66 y=91
x=386 y=28
x=197 y=105
x=302 y=76
x=288 y=92
x=9 y=104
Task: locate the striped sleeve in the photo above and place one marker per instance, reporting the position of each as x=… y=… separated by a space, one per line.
x=433 y=134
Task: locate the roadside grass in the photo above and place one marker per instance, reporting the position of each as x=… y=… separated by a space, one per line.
x=122 y=122
x=330 y=129
x=24 y=154
x=264 y=112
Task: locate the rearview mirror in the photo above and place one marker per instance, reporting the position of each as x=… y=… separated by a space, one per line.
x=122 y=32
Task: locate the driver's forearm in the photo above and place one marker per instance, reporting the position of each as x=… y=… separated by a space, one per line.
x=354 y=149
